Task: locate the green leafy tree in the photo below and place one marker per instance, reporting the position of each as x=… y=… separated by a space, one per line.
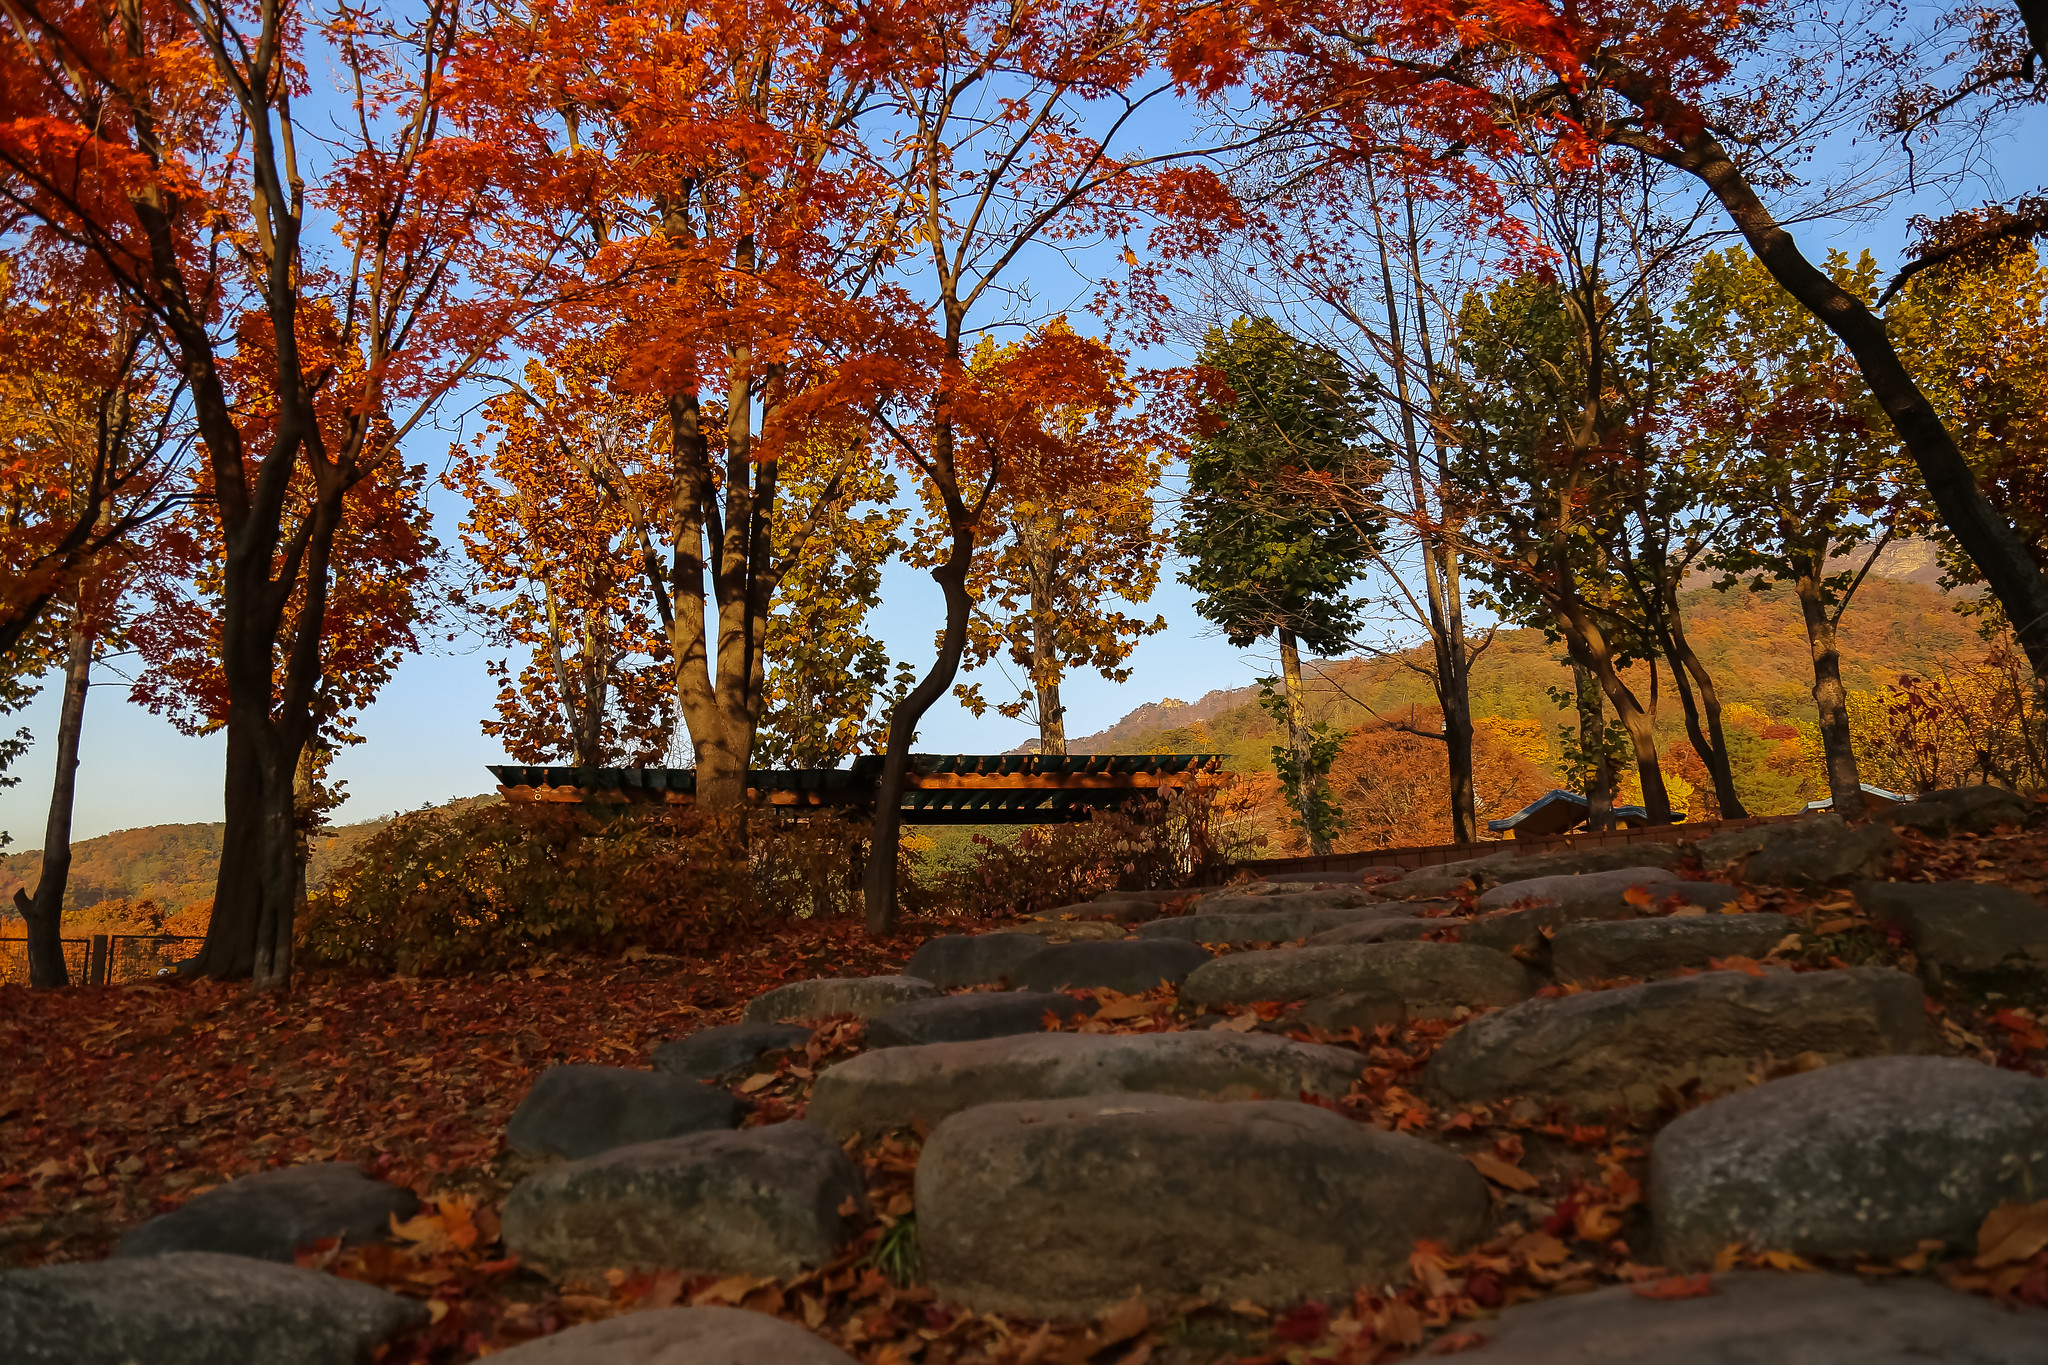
x=1264 y=560
x=1808 y=465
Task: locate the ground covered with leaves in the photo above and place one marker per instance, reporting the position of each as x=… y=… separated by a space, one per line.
x=121 y=1102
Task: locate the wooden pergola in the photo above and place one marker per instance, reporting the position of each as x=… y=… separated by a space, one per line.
x=940 y=789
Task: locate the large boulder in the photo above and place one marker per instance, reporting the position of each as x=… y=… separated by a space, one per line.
x=1629 y=1046
x=1571 y=892
x=1284 y=900
x=1758 y=1318
x=272 y=1214
x=1956 y=810
x=963 y=1018
x=1644 y=947
x=902 y=1086
x=863 y=997
x=1129 y=966
x=1446 y=879
x=762 y=1201
x=1070 y=930
x=194 y=1308
x=680 y=1336
x=1863 y=1159
x=1582 y=862
x=1969 y=935
x=1386 y=929
x=713 y=1052
x=1060 y=1208
x=579 y=1111
x=1429 y=978
x=1261 y=928
x=1118 y=911
x=957 y=960
x=1821 y=849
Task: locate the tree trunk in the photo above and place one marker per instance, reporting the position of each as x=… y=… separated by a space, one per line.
x=1593 y=740
x=1299 y=741
x=1710 y=741
x=1589 y=646
x=1830 y=698
x=2004 y=559
x=879 y=882
x=229 y=952
x=44 y=913
x=1453 y=682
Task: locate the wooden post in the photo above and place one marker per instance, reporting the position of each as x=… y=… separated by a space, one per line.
x=96 y=971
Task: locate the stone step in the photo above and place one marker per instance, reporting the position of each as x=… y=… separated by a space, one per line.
x=1969 y=936
x=1820 y=849
x=862 y=997
x=956 y=960
x=680 y=1336
x=1275 y=927
x=579 y=1111
x=1429 y=978
x=714 y=1052
x=1061 y=1208
x=1631 y=1045
x=1129 y=966
x=761 y=1201
x=1282 y=901
x=902 y=1086
x=1389 y=928
x=1863 y=1159
x=1644 y=947
x=194 y=1308
x=271 y=1214
x=1572 y=891
x=964 y=1018
x=1757 y=1318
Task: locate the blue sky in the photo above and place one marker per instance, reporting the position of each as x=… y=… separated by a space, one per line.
x=424 y=744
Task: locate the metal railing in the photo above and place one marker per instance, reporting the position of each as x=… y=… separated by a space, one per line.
x=105 y=959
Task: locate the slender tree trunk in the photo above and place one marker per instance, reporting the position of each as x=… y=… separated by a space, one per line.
x=1299 y=741
x=1456 y=703
x=44 y=913
x=1590 y=647
x=1830 y=698
x=1709 y=740
x=1045 y=659
x=1999 y=553
x=1593 y=740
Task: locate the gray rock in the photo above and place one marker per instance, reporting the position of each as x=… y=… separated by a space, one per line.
x=1821 y=849
x=1973 y=810
x=1061 y=1208
x=1427 y=977
x=1580 y=862
x=1570 y=892
x=963 y=1018
x=1386 y=929
x=1624 y=1047
x=194 y=1308
x=1266 y=928
x=1861 y=1159
x=1990 y=939
x=863 y=997
x=1129 y=966
x=1645 y=947
x=680 y=1336
x=1353 y=1009
x=762 y=1201
x=1285 y=900
x=1070 y=930
x=272 y=1214
x=712 y=1052
x=901 y=1086
x=1527 y=932
x=1445 y=879
x=1757 y=1318
x=579 y=1111
x=1118 y=911
x=958 y=960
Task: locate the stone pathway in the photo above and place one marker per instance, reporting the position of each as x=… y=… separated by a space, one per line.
x=1110 y=1120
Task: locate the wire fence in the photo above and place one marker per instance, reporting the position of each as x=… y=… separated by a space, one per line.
x=105 y=959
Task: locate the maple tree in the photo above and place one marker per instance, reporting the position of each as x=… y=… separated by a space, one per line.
x=159 y=154
x=1052 y=555
x=734 y=244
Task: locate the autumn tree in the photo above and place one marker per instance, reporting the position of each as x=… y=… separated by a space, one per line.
x=738 y=238
x=317 y=291
x=1053 y=556
x=1005 y=129
x=557 y=573
x=1262 y=559
x=1803 y=457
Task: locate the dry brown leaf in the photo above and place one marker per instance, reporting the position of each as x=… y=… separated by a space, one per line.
x=1124 y=1321
x=1243 y=1023
x=2012 y=1232
x=1132 y=1007
x=753 y=1083
x=1501 y=1173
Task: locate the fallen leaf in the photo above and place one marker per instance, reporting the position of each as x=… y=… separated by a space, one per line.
x=1457 y=1342
x=1676 y=1287
x=1124 y=1321
x=1835 y=926
x=754 y=1083
x=1243 y=1023
x=1399 y=1323
x=2012 y=1232
x=1132 y=1007
x=1785 y=1260
x=1501 y=1173
x=1639 y=895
